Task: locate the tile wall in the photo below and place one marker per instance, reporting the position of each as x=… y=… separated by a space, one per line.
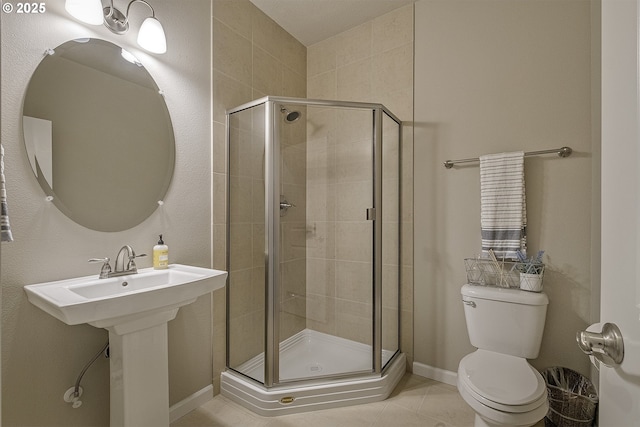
x=372 y=62
x=252 y=57
x=339 y=238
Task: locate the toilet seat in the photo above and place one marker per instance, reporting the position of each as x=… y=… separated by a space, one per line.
x=502 y=418
x=503 y=382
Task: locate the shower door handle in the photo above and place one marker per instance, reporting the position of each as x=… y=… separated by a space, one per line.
x=371 y=214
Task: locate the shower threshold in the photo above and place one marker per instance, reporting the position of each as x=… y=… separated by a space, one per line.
x=314 y=356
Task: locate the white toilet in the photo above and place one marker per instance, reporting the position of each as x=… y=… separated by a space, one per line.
x=496 y=380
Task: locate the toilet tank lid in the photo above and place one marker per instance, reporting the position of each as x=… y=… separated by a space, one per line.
x=513 y=295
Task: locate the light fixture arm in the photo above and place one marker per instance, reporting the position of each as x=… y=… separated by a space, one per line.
x=153 y=12
x=111 y=9
x=118 y=22
x=151 y=36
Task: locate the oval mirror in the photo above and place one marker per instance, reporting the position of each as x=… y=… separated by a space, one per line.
x=98 y=135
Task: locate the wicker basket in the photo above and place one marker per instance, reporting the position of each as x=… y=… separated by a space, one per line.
x=573 y=399
x=532 y=282
x=482 y=271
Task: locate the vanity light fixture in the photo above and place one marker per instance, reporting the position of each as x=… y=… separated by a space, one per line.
x=151 y=35
x=87 y=11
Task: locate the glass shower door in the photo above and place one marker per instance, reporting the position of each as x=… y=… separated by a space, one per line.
x=391 y=220
x=325 y=295
x=246 y=242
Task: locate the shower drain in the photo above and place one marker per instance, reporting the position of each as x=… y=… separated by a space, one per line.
x=315 y=368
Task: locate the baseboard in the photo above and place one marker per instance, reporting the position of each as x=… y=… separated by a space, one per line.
x=437 y=374
x=190 y=403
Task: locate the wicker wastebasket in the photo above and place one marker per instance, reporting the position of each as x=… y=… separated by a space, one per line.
x=573 y=399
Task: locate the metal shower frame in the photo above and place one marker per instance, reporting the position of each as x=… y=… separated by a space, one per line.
x=272 y=226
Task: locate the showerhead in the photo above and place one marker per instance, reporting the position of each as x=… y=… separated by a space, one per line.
x=290 y=116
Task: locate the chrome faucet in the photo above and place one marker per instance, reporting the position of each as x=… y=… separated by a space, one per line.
x=120 y=259
x=125 y=254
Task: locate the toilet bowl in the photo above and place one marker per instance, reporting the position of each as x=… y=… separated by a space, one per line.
x=503 y=390
x=505 y=325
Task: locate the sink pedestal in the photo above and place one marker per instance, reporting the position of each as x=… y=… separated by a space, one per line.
x=138 y=353
x=135 y=310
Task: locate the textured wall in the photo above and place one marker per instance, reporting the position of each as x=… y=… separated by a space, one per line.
x=41 y=356
x=497 y=76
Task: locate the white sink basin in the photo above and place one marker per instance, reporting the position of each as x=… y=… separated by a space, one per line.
x=135 y=310
x=105 y=302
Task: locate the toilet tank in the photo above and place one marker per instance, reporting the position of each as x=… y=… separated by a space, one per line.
x=504 y=320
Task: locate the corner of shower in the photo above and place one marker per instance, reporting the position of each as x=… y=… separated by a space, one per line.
x=313 y=253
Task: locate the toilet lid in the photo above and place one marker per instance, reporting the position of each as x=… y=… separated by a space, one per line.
x=500 y=378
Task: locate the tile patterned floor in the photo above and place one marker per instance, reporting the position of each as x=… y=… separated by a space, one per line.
x=416 y=401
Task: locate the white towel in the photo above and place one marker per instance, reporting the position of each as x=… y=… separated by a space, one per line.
x=503 y=207
x=5 y=228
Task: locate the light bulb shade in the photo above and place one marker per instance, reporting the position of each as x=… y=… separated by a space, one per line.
x=151 y=36
x=87 y=11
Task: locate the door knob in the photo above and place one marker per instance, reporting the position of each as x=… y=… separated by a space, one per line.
x=606 y=346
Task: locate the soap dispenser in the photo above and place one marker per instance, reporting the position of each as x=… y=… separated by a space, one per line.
x=160 y=255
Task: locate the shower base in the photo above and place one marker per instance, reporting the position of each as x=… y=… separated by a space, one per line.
x=312 y=356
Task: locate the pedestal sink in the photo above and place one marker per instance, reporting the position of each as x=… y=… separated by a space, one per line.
x=135 y=310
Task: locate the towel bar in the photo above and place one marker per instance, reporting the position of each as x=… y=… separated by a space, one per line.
x=562 y=152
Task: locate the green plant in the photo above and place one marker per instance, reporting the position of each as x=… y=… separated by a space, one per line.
x=531 y=265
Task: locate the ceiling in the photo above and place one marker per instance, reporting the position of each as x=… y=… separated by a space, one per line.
x=311 y=21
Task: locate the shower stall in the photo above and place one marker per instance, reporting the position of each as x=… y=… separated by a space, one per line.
x=313 y=253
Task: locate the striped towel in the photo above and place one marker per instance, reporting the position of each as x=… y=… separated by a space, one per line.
x=503 y=219
x=5 y=228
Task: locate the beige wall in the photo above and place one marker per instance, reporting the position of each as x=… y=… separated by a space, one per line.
x=495 y=76
x=372 y=62
x=252 y=57
x=41 y=356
